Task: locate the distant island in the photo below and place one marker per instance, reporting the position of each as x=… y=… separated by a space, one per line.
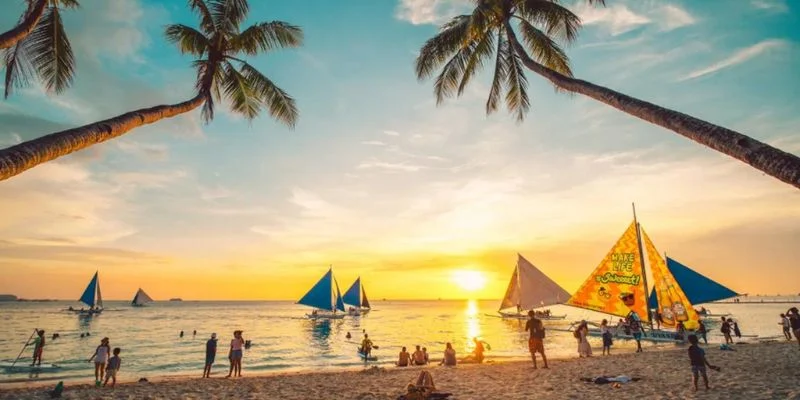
x=8 y=297
x=176 y=299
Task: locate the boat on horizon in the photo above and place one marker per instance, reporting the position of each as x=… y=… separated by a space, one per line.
x=528 y=289
x=325 y=298
x=356 y=298
x=91 y=297
x=140 y=298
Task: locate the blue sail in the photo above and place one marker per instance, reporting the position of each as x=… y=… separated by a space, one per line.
x=320 y=295
x=697 y=287
x=88 y=295
x=353 y=295
x=339 y=302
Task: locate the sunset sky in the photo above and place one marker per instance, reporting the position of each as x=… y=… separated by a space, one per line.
x=379 y=182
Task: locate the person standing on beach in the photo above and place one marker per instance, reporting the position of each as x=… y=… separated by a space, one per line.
x=701 y=330
x=606 y=332
x=726 y=331
x=211 y=354
x=697 y=359
x=536 y=339
x=366 y=346
x=113 y=367
x=584 y=348
x=635 y=325
x=235 y=354
x=38 y=348
x=736 y=330
x=794 y=322
x=100 y=358
x=787 y=327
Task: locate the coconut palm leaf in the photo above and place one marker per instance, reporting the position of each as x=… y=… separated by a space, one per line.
x=543 y=49
x=555 y=20
x=19 y=70
x=267 y=36
x=189 y=40
x=206 y=19
x=51 y=53
x=439 y=48
x=280 y=105
x=238 y=91
x=500 y=73
x=228 y=14
x=516 y=87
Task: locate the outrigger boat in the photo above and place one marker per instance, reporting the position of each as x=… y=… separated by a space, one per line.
x=91 y=297
x=530 y=288
x=356 y=298
x=618 y=287
x=325 y=297
x=140 y=298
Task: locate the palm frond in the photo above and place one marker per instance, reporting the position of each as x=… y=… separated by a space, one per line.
x=19 y=70
x=500 y=72
x=228 y=14
x=239 y=92
x=438 y=49
x=266 y=36
x=554 y=19
x=188 y=39
x=67 y=3
x=209 y=78
x=543 y=49
x=516 y=87
x=483 y=51
x=51 y=52
x=448 y=82
x=280 y=105
x=206 y=19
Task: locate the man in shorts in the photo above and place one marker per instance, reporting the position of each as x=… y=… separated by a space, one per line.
x=536 y=341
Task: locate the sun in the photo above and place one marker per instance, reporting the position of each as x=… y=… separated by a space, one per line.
x=469 y=280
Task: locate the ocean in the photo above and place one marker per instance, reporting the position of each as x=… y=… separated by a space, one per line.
x=283 y=340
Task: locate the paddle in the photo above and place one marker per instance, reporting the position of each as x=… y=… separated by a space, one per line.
x=27 y=342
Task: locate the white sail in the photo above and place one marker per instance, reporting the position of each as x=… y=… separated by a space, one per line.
x=141 y=298
x=99 y=296
x=531 y=288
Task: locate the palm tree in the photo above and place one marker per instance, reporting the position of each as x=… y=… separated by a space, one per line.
x=467 y=42
x=220 y=75
x=39 y=46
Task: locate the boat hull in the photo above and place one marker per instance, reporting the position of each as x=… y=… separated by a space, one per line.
x=525 y=316
x=325 y=316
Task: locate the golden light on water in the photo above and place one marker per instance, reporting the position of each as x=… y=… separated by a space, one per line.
x=473 y=327
x=469 y=280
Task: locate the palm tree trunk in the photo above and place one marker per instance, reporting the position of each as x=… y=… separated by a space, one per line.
x=17 y=33
x=16 y=159
x=770 y=160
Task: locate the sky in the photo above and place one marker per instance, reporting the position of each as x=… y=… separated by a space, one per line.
x=379 y=182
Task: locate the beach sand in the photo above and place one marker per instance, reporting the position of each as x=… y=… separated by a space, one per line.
x=754 y=371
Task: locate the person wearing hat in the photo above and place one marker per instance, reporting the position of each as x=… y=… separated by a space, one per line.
x=235 y=354
x=211 y=353
x=100 y=357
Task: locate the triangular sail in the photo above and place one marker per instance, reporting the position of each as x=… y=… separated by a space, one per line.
x=353 y=295
x=673 y=305
x=698 y=288
x=511 y=299
x=364 y=301
x=88 y=295
x=616 y=286
x=141 y=298
x=321 y=294
x=339 y=302
x=535 y=288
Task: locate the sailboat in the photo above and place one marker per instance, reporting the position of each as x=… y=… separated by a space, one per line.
x=530 y=288
x=618 y=287
x=325 y=297
x=140 y=298
x=91 y=297
x=356 y=297
x=699 y=289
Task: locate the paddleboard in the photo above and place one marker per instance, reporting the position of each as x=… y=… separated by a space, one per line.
x=24 y=368
x=364 y=357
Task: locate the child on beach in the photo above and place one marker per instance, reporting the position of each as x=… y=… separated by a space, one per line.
x=697 y=359
x=100 y=358
x=113 y=367
x=787 y=330
x=211 y=354
x=607 y=342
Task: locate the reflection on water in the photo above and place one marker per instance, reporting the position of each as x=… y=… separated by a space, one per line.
x=472 y=324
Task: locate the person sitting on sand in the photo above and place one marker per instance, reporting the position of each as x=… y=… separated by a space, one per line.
x=449 y=358
x=477 y=353
x=403 y=359
x=366 y=346
x=698 y=361
x=418 y=357
x=113 y=367
x=425 y=352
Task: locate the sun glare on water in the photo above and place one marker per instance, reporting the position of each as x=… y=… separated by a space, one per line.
x=469 y=280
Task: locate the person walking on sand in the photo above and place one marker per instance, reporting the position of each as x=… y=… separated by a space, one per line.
x=787 y=327
x=211 y=354
x=235 y=355
x=38 y=348
x=606 y=333
x=726 y=331
x=113 y=367
x=584 y=348
x=794 y=322
x=536 y=339
x=100 y=358
x=449 y=358
x=701 y=331
x=698 y=361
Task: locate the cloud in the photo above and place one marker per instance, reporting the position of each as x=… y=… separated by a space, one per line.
x=616 y=18
x=776 y=6
x=674 y=17
x=394 y=167
x=421 y=12
x=373 y=143
x=215 y=193
x=391 y=133
x=737 y=58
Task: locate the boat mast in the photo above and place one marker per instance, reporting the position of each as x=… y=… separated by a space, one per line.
x=644 y=272
x=519 y=286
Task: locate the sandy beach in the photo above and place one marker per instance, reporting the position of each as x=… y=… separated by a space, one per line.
x=753 y=371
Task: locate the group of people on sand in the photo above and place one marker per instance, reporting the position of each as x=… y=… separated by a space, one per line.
x=420 y=355
x=235 y=354
x=791 y=324
x=105 y=365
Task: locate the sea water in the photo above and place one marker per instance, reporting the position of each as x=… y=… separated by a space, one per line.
x=284 y=340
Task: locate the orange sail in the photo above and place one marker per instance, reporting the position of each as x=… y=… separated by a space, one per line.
x=673 y=305
x=616 y=286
